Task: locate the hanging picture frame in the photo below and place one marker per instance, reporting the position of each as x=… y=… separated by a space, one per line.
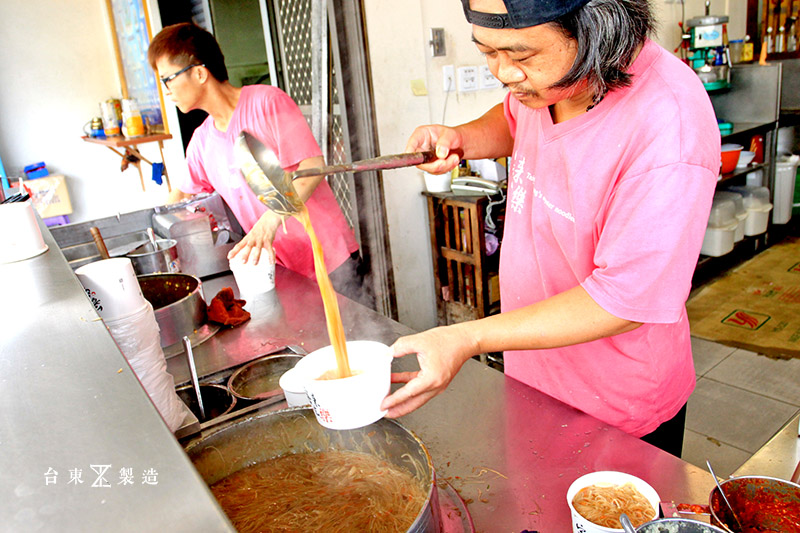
x=130 y=28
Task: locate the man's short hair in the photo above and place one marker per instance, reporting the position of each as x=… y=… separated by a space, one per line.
x=185 y=44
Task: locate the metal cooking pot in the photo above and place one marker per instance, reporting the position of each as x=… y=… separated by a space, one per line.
x=217 y=401
x=237 y=444
x=178 y=304
x=677 y=525
x=260 y=379
x=754 y=498
x=148 y=259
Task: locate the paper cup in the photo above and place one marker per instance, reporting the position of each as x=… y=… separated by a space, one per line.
x=112 y=287
x=293 y=383
x=353 y=402
x=20 y=237
x=437 y=182
x=582 y=525
x=253 y=279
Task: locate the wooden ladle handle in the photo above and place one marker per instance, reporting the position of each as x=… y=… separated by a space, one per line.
x=99 y=242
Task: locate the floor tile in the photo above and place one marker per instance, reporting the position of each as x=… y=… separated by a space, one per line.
x=725 y=459
x=735 y=416
x=708 y=354
x=775 y=378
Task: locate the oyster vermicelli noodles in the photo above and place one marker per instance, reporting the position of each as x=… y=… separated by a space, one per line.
x=321 y=491
x=602 y=505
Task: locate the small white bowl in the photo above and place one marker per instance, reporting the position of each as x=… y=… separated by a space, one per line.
x=745 y=158
x=582 y=525
x=293 y=383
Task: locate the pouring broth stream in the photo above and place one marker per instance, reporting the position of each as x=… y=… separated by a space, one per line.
x=332 y=316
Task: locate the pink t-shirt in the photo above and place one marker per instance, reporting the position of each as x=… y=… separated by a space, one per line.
x=271 y=116
x=615 y=200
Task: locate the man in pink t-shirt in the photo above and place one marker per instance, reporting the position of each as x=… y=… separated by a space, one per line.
x=195 y=77
x=614 y=158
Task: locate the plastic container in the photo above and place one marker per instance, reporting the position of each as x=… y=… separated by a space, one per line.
x=721 y=230
x=132 y=122
x=736 y=47
x=756 y=201
x=740 y=211
x=785 y=178
x=582 y=525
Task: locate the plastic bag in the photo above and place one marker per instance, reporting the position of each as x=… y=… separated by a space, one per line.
x=137 y=336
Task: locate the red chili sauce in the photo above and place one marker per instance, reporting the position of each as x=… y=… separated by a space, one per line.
x=759 y=510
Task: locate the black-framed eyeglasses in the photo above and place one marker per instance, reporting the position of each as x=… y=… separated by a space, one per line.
x=171 y=77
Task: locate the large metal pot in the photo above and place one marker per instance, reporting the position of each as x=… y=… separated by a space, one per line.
x=149 y=259
x=178 y=304
x=234 y=445
x=761 y=503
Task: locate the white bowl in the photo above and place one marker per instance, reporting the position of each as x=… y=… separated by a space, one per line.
x=293 y=383
x=582 y=525
x=745 y=158
x=20 y=237
x=351 y=402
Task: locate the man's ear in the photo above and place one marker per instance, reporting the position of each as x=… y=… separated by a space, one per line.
x=202 y=74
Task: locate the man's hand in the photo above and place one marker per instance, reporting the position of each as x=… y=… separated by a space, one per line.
x=445 y=142
x=441 y=352
x=258 y=239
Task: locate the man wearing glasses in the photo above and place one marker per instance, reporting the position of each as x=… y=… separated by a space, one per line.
x=192 y=68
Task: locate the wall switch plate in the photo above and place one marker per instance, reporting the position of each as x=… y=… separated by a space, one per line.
x=486 y=79
x=467 y=79
x=448 y=78
x=437 y=42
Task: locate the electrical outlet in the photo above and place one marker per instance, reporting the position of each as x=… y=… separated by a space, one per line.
x=467 y=79
x=448 y=79
x=486 y=79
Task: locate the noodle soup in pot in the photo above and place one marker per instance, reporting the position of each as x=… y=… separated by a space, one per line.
x=261 y=451
x=596 y=500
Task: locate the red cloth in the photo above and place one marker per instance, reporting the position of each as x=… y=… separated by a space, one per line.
x=227 y=310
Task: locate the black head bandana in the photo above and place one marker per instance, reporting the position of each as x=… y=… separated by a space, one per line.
x=522 y=13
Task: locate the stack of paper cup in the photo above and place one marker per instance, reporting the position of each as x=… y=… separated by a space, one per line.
x=20 y=237
x=112 y=287
x=138 y=340
x=251 y=278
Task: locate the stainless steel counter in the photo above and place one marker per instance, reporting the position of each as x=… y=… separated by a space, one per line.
x=509 y=450
x=72 y=410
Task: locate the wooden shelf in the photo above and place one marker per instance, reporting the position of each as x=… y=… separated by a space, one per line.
x=131 y=154
x=120 y=141
x=464 y=277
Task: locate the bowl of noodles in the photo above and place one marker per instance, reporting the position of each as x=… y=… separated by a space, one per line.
x=596 y=501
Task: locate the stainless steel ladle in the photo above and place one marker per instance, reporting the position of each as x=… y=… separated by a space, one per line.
x=273 y=185
x=626 y=523
x=725 y=498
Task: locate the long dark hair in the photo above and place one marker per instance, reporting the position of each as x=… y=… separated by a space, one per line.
x=608 y=34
